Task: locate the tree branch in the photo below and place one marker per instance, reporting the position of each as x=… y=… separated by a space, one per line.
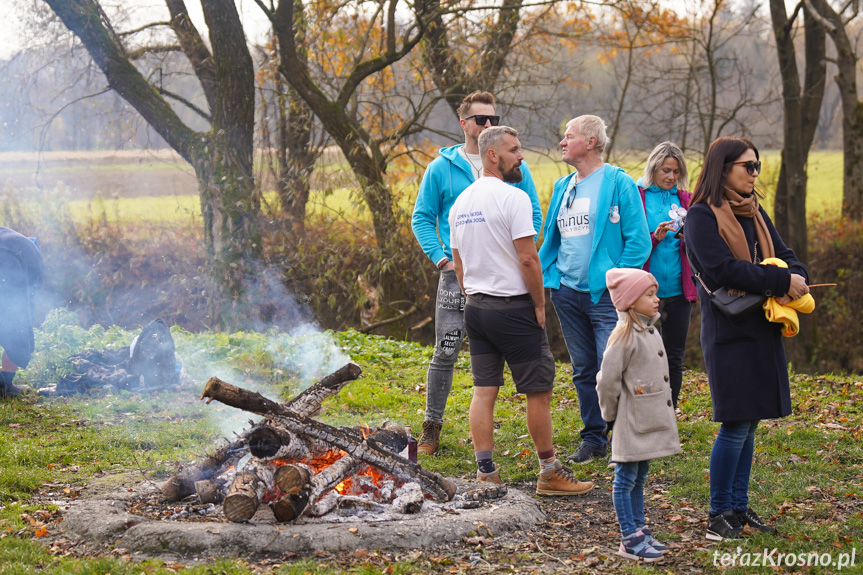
x=186 y=103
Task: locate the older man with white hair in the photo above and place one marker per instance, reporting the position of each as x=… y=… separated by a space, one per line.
x=595 y=222
x=498 y=269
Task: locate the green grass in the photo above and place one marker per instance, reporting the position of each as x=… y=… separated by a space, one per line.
x=335 y=196
x=808 y=472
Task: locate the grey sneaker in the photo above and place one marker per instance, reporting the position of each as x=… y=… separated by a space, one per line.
x=637 y=548
x=586 y=452
x=651 y=540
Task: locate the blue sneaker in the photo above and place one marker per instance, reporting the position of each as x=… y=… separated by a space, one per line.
x=636 y=547
x=648 y=536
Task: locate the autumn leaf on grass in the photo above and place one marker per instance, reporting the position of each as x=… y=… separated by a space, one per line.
x=41 y=531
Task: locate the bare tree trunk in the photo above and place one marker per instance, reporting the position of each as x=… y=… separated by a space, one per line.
x=221 y=157
x=801 y=120
x=852 y=108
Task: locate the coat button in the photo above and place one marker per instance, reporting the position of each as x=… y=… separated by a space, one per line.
x=665 y=378
x=669 y=403
x=650 y=330
x=661 y=353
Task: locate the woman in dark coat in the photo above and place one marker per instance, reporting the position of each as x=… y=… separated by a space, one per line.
x=727 y=234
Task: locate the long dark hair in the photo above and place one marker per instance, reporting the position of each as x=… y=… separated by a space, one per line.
x=710 y=187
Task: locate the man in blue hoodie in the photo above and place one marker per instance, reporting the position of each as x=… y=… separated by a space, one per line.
x=595 y=222
x=446 y=177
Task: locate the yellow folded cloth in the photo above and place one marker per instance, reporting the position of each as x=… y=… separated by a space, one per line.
x=787 y=314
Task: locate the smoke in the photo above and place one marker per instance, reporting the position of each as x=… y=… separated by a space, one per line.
x=115 y=276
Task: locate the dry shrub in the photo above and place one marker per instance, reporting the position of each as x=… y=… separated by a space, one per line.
x=336 y=269
x=835 y=337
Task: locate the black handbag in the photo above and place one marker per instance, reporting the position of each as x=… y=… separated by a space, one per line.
x=734 y=304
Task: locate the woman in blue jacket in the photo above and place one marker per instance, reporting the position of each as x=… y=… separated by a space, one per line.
x=664 y=203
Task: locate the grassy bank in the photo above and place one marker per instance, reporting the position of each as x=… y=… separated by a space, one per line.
x=808 y=473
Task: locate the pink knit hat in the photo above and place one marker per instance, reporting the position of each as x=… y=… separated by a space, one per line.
x=626 y=285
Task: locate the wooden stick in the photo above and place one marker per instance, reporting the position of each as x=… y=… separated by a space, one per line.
x=821 y=285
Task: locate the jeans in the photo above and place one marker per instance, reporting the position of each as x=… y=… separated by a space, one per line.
x=628 y=494
x=449 y=335
x=730 y=466
x=673 y=324
x=586 y=327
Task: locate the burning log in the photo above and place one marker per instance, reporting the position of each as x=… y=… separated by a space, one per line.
x=303 y=489
x=367 y=450
x=271 y=442
x=182 y=483
x=247 y=491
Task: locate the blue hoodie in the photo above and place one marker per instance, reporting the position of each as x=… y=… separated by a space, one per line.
x=446 y=177
x=624 y=243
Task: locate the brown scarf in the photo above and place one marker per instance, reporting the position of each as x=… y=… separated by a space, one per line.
x=730 y=230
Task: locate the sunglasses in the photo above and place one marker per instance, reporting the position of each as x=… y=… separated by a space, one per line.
x=482 y=119
x=752 y=168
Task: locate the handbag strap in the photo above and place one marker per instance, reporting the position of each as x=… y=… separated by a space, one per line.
x=697 y=274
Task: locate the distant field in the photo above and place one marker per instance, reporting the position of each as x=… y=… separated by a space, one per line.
x=157 y=186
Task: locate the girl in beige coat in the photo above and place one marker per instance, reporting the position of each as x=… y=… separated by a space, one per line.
x=635 y=399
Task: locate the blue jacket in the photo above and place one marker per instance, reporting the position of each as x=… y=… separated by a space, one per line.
x=621 y=244
x=445 y=178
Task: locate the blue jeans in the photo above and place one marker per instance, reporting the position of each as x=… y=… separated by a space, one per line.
x=628 y=495
x=730 y=466
x=586 y=327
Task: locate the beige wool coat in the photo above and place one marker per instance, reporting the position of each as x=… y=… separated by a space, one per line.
x=634 y=392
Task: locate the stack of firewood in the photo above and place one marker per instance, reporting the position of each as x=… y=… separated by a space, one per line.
x=280 y=447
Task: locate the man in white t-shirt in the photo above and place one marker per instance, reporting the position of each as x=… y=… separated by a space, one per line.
x=491 y=235
x=446 y=177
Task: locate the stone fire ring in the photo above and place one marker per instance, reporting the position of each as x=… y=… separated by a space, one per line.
x=104 y=518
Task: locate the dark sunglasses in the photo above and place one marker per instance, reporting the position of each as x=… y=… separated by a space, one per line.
x=481 y=119
x=751 y=167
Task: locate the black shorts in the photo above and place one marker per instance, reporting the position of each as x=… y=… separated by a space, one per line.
x=505 y=330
